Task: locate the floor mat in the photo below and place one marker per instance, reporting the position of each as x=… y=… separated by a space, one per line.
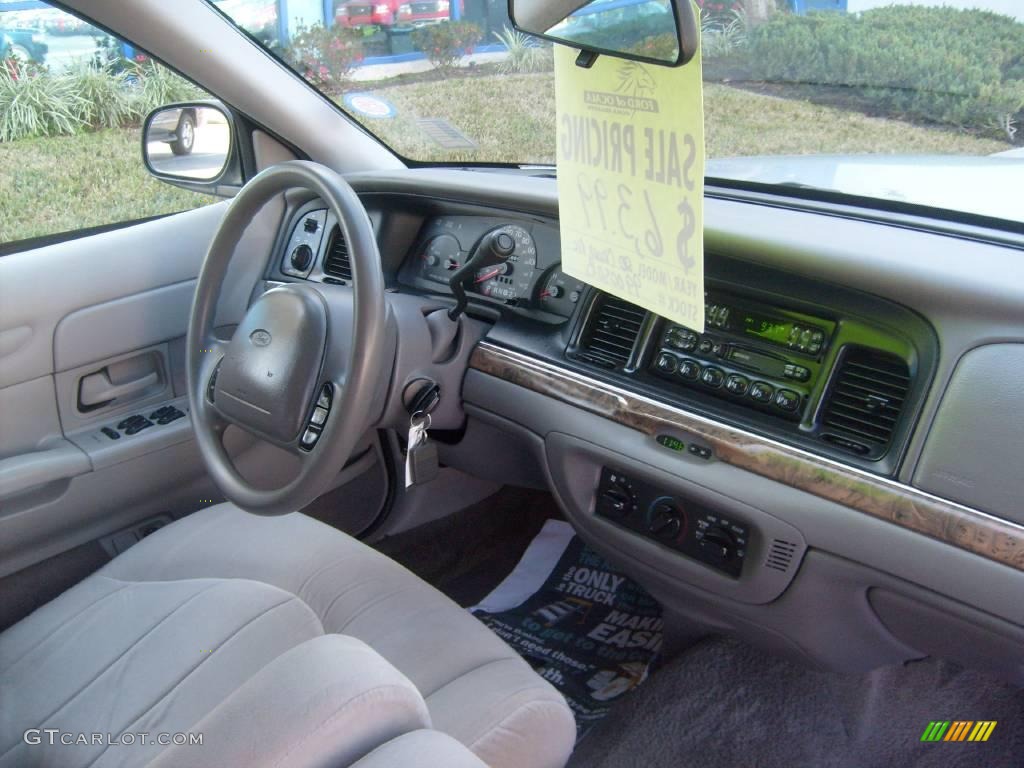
x=583 y=625
x=724 y=704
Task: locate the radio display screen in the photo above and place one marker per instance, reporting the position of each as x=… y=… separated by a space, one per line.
x=768 y=328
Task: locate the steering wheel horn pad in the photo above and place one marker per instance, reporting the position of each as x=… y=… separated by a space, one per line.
x=264 y=383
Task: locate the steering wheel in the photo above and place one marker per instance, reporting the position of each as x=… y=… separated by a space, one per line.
x=306 y=367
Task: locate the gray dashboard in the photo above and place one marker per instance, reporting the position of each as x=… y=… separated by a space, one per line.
x=946 y=302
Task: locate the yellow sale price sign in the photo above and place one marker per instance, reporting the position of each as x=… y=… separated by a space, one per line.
x=631 y=181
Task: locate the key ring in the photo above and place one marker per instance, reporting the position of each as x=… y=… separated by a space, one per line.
x=424 y=423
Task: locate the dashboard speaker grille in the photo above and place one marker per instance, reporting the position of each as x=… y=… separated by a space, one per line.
x=866 y=398
x=611 y=332
x=780 y=555
x=337 y=263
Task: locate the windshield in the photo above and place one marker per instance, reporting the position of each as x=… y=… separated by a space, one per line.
x=906 y=100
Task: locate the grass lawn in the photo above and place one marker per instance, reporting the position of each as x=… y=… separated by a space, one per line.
x=72 y=182
x=512 y=119
x=64 y=183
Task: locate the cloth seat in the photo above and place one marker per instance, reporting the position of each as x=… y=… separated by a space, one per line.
x=169 y=631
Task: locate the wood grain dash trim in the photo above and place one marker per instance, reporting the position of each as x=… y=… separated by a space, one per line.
x=968 y=529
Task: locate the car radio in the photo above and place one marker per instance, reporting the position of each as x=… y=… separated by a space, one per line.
x=765 y=357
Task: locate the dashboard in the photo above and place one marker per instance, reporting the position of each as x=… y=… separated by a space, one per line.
x=781 y=458
x=843 y=377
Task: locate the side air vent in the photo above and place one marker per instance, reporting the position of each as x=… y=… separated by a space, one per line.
x=863 y=406
x=780 y=555
x=611 y=332
x=337 y=263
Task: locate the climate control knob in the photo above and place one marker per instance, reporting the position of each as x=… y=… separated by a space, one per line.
x=719 y=543
x=616 y=500
x=665 y=519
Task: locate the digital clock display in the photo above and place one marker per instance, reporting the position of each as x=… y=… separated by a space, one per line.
x=768 y=328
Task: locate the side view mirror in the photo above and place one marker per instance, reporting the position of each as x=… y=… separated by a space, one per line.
x=662 y=32
x=192 y=145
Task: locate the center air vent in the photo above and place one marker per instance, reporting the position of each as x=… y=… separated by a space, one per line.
x=863 y=406
x=337 y=263
x=611 y=332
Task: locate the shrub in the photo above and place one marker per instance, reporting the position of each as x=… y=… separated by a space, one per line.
x=106 y=97
x=325 y=57
x=964 y=68
x=525 y=55
x=723 y=34
x=34 y=103
x=446 y=43
x=152 y=86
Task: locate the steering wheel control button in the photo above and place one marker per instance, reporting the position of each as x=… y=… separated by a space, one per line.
x=713 y=377
x=787 y=400
x=319 y=417
x=737 y=385
x=310 y=437
x=762 y=392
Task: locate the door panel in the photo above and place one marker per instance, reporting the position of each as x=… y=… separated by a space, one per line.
x=91 y=332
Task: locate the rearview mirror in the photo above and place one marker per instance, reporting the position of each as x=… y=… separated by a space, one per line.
x=656 y=31
x=187 y=142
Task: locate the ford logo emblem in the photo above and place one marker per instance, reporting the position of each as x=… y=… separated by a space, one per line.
x=260 y=338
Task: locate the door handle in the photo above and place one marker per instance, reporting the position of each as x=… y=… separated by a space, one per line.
x=97 y=389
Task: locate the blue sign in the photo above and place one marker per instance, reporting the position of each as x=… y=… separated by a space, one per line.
x=369 y=105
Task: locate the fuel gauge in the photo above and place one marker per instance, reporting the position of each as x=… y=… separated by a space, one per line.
x=440 y=258
x=559 y=293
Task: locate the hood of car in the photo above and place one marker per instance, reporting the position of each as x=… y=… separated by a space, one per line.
x=975 y=185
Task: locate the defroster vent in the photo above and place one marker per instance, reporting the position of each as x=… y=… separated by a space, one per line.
x=863 y=405
x=611 y=332
x=337 y=263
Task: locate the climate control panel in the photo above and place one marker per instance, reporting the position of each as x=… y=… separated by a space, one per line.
x=720 y=541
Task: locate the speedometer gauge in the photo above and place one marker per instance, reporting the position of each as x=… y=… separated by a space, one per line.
x=512 y=278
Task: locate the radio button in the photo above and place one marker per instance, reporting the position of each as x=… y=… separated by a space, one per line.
x=737 y=384
x=796 y=372
x=667 y=363
x=713 y=377
x=787 y=400
x=762 y=392
x=706 y=346
x=689 y=369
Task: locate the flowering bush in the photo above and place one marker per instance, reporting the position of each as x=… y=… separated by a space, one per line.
x=325 y=57
x=446 y=43
x=719 y=12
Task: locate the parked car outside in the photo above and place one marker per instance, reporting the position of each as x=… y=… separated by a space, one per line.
x=177 y=128
x=24 y=45
x=392 y=13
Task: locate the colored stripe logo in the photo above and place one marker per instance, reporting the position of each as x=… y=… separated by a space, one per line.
x=958 y=730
